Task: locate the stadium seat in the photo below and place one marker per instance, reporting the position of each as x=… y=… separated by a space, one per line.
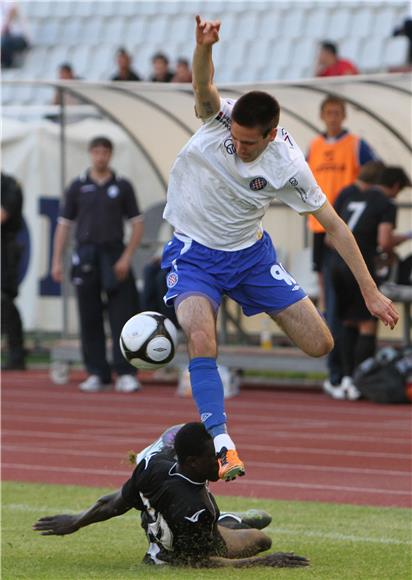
x=370 y=54
x=384 y=22
x=92 y=31
x=48 y=33
x=87 y=8
x=114 y=29
x=317 y=22
x=395 y=52
x=72 y=31
x=61 y=10
x=360 y=22
x=136 y=30
x=293 y=23
x=349 y=49
x=303 y=53
x=338 y=25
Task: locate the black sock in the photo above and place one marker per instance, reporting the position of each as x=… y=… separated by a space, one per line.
x=365 y=348
x=349 y=340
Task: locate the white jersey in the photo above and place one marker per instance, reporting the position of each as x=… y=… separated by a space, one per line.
x=218 y=200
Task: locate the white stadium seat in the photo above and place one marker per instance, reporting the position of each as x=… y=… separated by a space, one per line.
x=395 y=52
x=261 y=40
x=370 y=54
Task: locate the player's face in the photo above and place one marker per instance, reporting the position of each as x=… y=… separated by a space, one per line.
x=333 y=116
x=100 y=158
x=207 y=465
x=249 y=142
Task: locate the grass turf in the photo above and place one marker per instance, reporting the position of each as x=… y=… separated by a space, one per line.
x=342 y=542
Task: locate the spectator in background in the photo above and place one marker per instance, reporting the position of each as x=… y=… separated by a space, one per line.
x=124 y=67
x=330 y=65
x=65 y=73
x=406 y=30
x=14 y=33
x=335 y=158
x=183 y=73
x=161 y=72
x=11 y=223
x=99 y=202
x=368 y=210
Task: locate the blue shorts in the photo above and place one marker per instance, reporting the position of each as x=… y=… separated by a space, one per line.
x=251 y=277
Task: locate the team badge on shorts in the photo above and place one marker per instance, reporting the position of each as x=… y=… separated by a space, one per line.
x=172 y=279
x=258 y=183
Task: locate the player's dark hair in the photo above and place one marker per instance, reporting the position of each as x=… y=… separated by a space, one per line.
x=371 y=172
x=66 y=66
x=257 y=109
x=101 y=142
x=394 y=175
x=160 y=56
x=329 y=46
x=333 y=100
x=191 y=441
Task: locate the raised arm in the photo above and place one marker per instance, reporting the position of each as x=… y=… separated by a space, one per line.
x=206 y=94
x=106 y=507
x=345 y=244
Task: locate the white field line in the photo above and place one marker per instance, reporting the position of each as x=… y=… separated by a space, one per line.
x=250 y=482
x=61 y=451
x=248 y=419
x=19 y=507
x=64 y=469
x=354 y=489
x=268 y=448
x=339 y=408
x=338 y=537
x=283 y=531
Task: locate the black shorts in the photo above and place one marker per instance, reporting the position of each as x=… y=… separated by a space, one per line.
x=318 y=251
x=350 y=304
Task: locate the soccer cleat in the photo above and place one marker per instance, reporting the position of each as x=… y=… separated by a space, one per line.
x=230 y=466
x=257 y=519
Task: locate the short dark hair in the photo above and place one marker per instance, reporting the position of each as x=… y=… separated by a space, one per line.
x=329 y=46
x=66 y=66
x=101 y=141
x=160 y=56
x=191 y=441
x=257 y=109
x=371 y=172
x=393 y=175
x=333 y=100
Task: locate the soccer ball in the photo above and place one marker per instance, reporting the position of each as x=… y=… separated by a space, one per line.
x=148 y=340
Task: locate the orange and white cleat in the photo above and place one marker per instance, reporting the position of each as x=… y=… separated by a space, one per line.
x=230 y=466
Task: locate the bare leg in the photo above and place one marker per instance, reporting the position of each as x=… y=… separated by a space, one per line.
x=306 y=328
x=244 y=543
x=198 y=321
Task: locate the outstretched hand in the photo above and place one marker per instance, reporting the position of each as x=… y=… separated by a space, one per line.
x=56 y=525
x=207 y=31
x=283 y=560
x=383 y=308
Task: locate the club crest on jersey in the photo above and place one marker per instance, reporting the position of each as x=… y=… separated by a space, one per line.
x=172 y=279
x=258 y=183
x=113 y=191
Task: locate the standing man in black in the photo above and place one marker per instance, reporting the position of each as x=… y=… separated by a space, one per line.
x=99 y=202
x=11 y=222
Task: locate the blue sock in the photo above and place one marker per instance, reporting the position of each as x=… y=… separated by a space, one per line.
x=207 y=390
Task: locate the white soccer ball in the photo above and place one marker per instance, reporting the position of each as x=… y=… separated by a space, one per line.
x=148 y=340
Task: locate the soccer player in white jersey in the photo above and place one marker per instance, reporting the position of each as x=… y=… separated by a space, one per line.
x=220 y=186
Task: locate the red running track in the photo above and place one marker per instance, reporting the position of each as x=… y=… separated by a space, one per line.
x=296 y=445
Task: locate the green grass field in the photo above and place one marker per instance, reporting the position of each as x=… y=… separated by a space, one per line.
x=342 y=542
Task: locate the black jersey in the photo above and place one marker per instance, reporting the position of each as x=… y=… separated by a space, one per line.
x=363 y=212
x=12 y=203
x=179 y=515
x=99 y=209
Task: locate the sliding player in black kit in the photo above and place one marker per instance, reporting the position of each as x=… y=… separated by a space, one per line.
x=182 y=521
